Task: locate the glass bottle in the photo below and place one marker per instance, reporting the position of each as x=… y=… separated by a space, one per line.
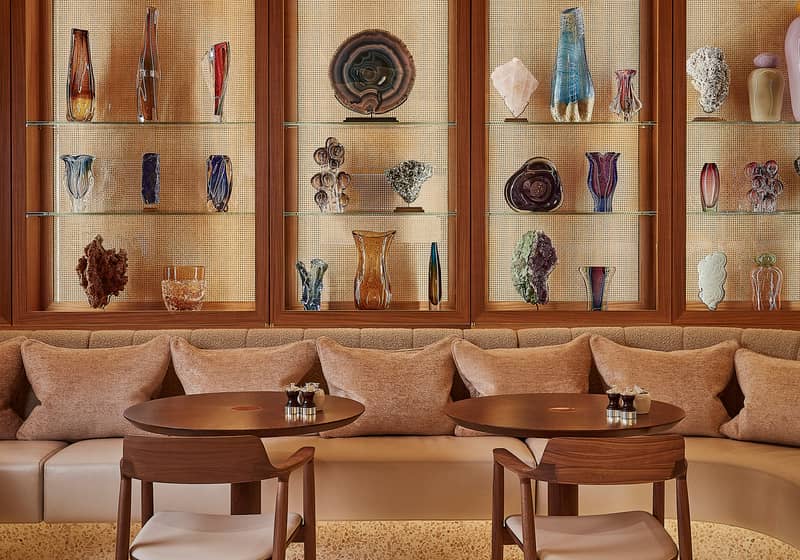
x=597 y=280
x=572 y=89
x=149 y=74
x=371 y=288
x=602 y=180
x=709 y=187
x=767 y=281
x=80 y=81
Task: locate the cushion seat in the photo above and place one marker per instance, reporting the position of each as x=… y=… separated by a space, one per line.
x=170 y=535
x=633 y=535
x=21 y=465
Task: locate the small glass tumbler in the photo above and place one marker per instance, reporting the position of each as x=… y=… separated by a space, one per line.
x=184 y=288
x=292 y=400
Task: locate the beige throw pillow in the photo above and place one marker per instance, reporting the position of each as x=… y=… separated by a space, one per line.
x=544 y=369
x=690 y=379
x=241 y=369
x=12 y=383
x=404 y=392
x=83 y=393
x=771 y=400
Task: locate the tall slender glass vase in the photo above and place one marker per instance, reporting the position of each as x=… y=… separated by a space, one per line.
x=572 y=90
x=80 y=81
x=434 y=278
x=149 y=74
x=217 y=63
x=597 y=280
x=709 y=187
x=602 y=180
x=372 y=289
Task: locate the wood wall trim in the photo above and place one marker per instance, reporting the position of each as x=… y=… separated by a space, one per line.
x=6 y=155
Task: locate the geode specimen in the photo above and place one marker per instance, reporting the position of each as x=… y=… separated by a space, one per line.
x=534 y=187
x=408 y=177
x=515 y=84
x=102 y=272
x=533 y=260
x=711 y=77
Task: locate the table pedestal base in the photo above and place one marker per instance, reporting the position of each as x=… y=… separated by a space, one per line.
x=562 y=499
x=245 y=498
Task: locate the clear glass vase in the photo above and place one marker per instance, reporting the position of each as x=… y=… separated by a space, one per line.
x=767 y=281
x=80 y=82
x=311 y=280
x=602 y=181
x=372 y=289
x=78 y=179
x=572 y=90
x=597 y=280
x=149 y=74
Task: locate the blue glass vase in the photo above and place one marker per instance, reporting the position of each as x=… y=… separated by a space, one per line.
x=78 y=179
x=572 y=89
x=220 y=182
x=312 y=283
x=151 y=180
x=602 y=181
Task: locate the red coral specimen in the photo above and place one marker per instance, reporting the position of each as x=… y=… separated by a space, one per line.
x=102 y=272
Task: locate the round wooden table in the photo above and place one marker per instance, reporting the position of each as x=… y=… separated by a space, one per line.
x=549 y=415
x=226 y=414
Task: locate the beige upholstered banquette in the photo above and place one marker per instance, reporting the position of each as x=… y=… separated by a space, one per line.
x=753 y=485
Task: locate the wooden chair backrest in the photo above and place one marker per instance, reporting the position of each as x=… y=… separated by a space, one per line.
x=630 y=460
x=196 y=460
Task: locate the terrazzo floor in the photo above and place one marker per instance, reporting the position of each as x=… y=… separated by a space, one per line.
x=395 y=540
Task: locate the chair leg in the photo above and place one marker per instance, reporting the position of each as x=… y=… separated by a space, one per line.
x=124 y=520
x=281 y=514
x=658 y=501
x=498 y=512
x=309 y=513
x=684 y=519
x=528 y=522
x=147 y=501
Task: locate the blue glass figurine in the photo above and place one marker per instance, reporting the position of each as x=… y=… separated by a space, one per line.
x=572 y=90
x=312 y=283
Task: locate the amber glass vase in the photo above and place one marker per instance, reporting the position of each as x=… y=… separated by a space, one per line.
x=371 y=288
x=80 y=82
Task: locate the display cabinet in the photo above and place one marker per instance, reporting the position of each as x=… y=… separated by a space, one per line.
x=738 y=187
x=555 y=247
x=5 y=177
x=143 y=123
x=370 y=132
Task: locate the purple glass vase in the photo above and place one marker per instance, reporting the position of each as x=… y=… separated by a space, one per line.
x=597 y=280
x=709 y=187
x=602 y=180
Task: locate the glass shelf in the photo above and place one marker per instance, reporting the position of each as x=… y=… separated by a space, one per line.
x=365 y=213
x=63 y=124
x=635 y=124
x=131 y=213
x=568 y=214
x=733 y=213
x=375 y=124
x=742 y=123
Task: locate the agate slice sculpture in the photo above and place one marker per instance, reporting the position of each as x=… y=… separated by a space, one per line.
x=572 y=89
x=711 y=77
x=372 y=72
x=331 y=182
x=102 y=272
x=711 y=279
x=406 y=179
x=515 y=84
x=532 y=263
x=534 y=187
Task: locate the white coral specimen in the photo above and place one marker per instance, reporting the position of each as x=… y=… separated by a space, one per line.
x=711 y=77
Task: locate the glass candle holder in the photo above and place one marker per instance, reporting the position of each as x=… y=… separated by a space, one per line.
x=183 y=288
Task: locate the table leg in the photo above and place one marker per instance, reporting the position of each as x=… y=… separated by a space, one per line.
x=562 y=499
x=245 y=498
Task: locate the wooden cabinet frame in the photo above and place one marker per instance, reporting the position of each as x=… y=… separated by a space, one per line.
x=31 y=277
x=6 y=240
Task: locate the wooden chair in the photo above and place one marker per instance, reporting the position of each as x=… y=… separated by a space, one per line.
x=217 y=460
x=628 y=535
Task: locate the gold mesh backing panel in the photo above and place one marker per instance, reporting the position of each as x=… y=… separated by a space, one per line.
x=611 y=240
x=733 y=144
x=224 y=244
x=186 y=30
x=330 y=238
x=530 y=32
x=323 y=25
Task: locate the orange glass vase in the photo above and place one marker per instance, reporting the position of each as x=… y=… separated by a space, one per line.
x=372 y=289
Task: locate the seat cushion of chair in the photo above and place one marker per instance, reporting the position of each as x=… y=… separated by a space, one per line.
x=21 y=464
x=630 y=535
x=170 y=535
